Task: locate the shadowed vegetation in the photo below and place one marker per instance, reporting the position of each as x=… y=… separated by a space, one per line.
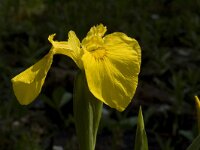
x=168 y=32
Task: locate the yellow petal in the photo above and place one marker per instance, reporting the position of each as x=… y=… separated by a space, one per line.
x=28 y=84
x=59 y=47
x=122 y=38
x=70 y=48
x=94 y=37
x=113 y=76
x=98 y=30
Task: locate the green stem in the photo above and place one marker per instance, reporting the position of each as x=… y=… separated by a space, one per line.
x=87 y=113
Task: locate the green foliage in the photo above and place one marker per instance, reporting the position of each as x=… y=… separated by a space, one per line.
x=87 y=113
x=195 y=144
x=141 y=142
x=164 y=144
x=60 y=97
x=168 y=32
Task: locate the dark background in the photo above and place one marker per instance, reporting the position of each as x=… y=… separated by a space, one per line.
x=169 y=34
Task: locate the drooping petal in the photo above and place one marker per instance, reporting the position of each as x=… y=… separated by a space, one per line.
x=70 y=48
x=113 y=78
x=121 y=38
x=28 y=84
x=129 y=41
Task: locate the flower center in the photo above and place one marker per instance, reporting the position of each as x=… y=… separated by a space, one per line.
x=95 y=46
x=99 y=53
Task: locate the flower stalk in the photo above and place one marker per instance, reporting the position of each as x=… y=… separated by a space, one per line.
x=87 y=113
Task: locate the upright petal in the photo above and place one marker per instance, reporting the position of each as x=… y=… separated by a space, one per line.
x=28 y=84
x=70 y=48
x=93 y=40
x=98 y=30
x=113 y=78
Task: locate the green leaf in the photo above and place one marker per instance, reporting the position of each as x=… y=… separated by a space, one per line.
x=57 y=95
x=47 y=101
x=141 y=142
x=65 y=99
x=187 y=134
x=195 y=144
x=61 y=97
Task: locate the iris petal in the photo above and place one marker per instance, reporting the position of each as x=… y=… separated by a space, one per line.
x=113 y=79
x=98 y=30
x=124 y=39
x=70 y=48
x=28 y=84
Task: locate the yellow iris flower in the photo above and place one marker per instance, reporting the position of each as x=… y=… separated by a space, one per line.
x=111 y=64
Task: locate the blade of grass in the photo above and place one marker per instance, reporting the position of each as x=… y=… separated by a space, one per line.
x=141 y=142
x=195 y=144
